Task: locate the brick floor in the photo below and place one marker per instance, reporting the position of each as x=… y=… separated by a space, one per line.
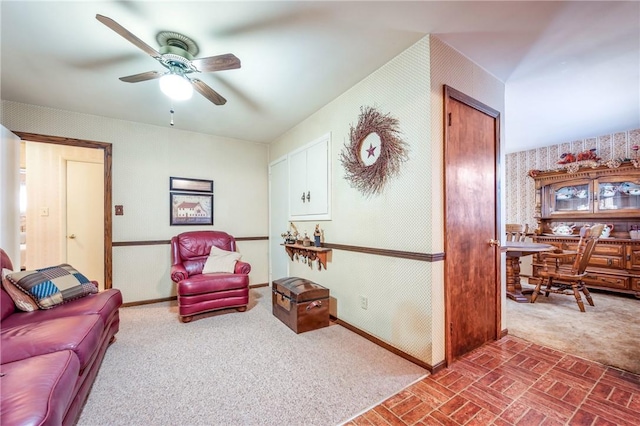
x=514 y=382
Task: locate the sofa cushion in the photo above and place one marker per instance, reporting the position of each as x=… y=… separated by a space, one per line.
x=198 y=243
x=80 y=334
x=53 y=285
x=104 y=303
x=198 y=284
x=221 y=261
x=38 y=390
x=22 y=300
x=192 y=249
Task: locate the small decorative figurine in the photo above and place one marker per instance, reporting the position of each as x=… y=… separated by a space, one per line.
x=292 y=236
x=316 y=236
x=306 y=241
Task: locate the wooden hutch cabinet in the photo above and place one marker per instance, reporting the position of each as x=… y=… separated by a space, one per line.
x=594 y=195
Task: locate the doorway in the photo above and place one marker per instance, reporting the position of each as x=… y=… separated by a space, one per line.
x=472 y=262
x=107 y=193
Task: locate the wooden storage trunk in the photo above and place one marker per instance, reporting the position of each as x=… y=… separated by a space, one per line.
x=301 y=304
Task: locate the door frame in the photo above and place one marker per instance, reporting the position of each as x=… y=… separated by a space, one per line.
x=451 y=93
x=108 y=221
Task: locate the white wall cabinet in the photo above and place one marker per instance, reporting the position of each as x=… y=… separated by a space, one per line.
x=309 y=181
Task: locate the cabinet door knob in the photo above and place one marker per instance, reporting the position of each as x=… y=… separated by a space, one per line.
x=302 y=197
x=308 y=196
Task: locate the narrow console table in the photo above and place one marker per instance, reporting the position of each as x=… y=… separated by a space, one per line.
x=310 y=253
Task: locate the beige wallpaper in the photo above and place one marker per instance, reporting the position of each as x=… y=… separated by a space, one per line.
x=144 y=157
x=405 y=297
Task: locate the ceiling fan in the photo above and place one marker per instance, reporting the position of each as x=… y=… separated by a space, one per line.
x=177 y=54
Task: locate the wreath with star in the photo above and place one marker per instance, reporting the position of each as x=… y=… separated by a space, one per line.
x=371 y=178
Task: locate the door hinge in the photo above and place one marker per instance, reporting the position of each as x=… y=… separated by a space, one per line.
x=450 y=328
x=449 y=118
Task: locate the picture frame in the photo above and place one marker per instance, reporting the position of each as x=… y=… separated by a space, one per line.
x=191 y=185
x=190 y=209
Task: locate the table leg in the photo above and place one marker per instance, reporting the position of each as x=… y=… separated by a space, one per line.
x=514 y=288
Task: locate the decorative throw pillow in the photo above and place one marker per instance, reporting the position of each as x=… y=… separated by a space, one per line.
x=22 y=300
x=53 y=285
x=221 y=261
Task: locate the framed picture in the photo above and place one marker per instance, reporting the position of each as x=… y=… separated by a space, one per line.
x=193 y=185
x=191 y=209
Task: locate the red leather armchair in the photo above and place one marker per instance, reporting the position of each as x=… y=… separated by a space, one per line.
x=198 y=292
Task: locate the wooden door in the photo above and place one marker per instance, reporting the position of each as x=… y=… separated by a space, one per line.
x=278 y=218
x=85 y=219
x=472 y=256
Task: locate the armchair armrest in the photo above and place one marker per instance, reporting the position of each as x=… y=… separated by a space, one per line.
x=242 y=267
x=178 y=273
x=562 y=255
x=556 y=257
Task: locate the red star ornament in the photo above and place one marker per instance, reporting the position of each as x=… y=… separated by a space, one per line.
x=371 y=151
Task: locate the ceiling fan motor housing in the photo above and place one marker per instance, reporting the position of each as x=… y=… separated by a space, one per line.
x=177 y=44
x=175 y=51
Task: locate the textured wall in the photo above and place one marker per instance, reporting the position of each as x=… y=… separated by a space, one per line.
x=398 y=290
x=520 y=188
x=144 y=157
x=406 y=300
x=400 y=88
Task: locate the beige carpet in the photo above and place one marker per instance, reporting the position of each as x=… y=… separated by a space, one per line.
x=608 y=332
x=236 y=368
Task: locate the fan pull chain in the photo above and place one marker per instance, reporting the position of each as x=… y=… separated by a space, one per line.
x=171 y=111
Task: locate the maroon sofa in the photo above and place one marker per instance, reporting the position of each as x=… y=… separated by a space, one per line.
x=198 y=292
x=49 y=358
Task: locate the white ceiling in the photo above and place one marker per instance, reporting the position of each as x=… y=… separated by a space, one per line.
x=571 y=69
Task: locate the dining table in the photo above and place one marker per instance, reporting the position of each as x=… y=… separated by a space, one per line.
x=514 y=250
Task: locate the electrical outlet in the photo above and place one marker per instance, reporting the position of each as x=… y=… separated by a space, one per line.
x=364 y=302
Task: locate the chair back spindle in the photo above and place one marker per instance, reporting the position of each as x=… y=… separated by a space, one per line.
x=516 y=231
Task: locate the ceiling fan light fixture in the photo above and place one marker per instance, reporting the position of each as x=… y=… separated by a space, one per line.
x=176 y=86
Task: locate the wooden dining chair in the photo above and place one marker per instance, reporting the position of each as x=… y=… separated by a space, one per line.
x=560 y=279
x=516 y=231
